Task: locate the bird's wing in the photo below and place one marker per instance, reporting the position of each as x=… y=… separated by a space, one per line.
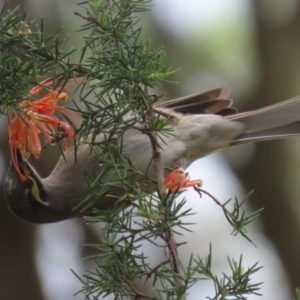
x=209 y=102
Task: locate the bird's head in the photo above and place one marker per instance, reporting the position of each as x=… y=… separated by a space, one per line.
x=28 y=199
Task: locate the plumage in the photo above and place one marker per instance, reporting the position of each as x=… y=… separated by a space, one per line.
x=201 y=123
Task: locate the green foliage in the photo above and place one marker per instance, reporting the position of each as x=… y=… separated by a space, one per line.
x=27 y=56
x=237 y=218
x=233 y=286
x=119 y=68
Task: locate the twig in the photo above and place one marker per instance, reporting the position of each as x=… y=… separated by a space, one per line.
x=168 y=234
x=181 y=244
x=174 y=259
x=226 y=211
x=153 y=270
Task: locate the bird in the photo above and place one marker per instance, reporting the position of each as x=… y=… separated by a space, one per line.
x=201 y=124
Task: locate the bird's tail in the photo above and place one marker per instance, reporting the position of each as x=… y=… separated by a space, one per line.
x=272 y=122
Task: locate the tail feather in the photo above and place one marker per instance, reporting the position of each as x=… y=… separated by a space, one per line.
x=272 y=122
x=277 y=115
x=269 y=134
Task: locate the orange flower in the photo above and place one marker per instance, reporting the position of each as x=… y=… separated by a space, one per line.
x=178 y=180
x=35 y=117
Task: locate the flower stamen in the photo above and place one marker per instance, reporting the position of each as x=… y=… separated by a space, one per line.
x=178 y=180
x=37 y=117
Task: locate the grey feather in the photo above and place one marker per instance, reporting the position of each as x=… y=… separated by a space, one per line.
x=200 y=124
x=280 y=120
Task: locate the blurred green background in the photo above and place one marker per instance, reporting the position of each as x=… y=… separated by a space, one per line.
x=252 y=46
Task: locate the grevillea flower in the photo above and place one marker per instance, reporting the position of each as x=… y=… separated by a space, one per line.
x=37 y=117
x=178 y=180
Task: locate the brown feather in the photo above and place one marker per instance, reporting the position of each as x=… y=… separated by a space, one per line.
x=209 y=102
x=205 y=107
x=218 y=93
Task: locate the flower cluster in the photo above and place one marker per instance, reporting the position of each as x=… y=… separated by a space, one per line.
x=178 y=180
x=37 y=117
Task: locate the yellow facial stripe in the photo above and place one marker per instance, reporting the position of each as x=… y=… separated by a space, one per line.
x=35 y=189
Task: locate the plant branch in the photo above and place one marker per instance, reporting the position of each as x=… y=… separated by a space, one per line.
x=168 y=234
x=226 y=211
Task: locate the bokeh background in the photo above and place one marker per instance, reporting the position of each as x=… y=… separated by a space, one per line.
x=252 y=46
